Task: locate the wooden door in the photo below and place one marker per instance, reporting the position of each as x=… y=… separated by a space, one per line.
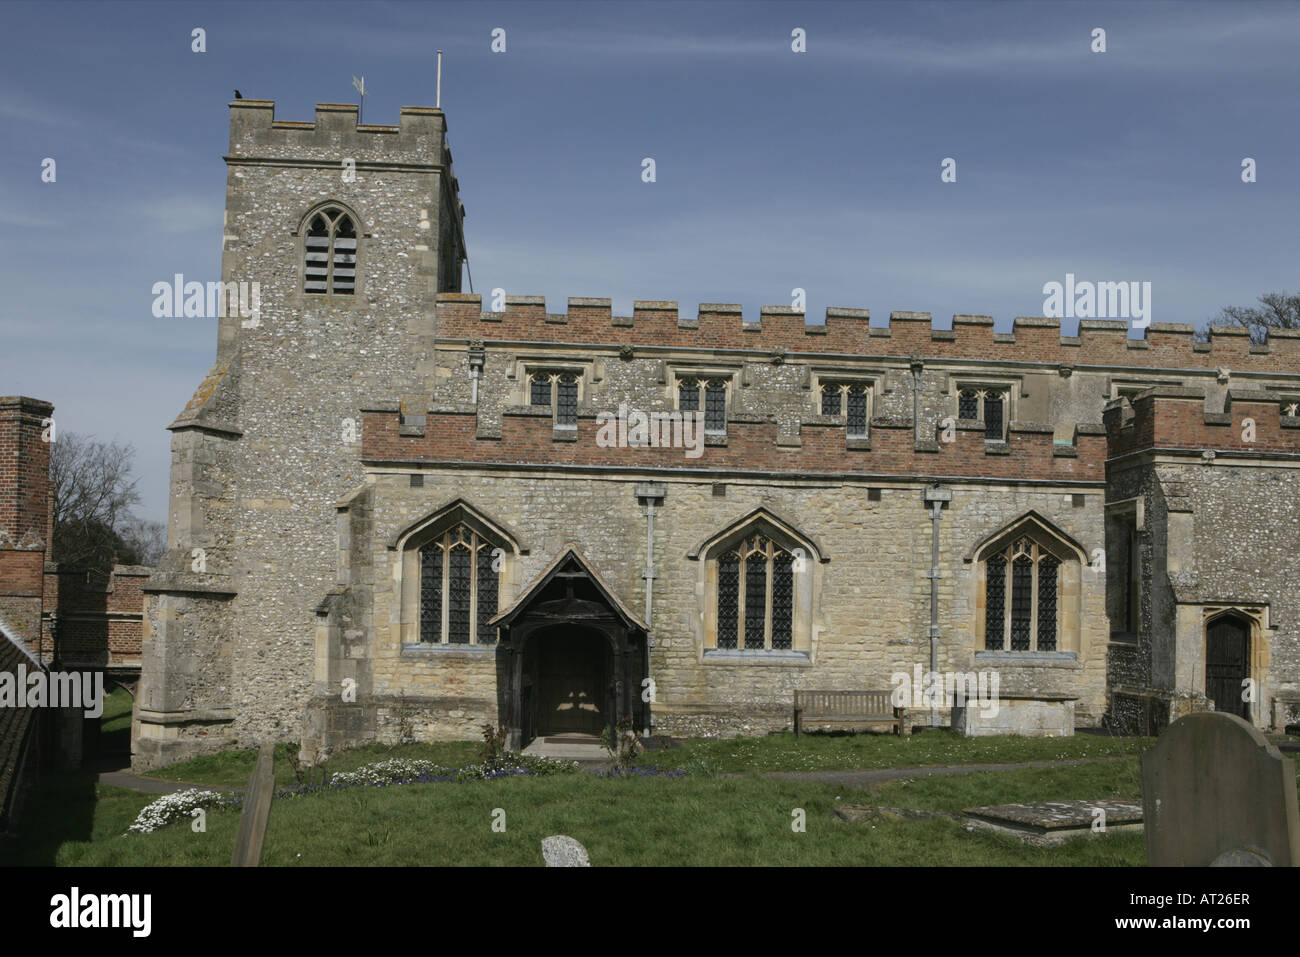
x=571 y=684
x=1227 y=665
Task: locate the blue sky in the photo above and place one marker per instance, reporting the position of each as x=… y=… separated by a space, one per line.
x=775 y=170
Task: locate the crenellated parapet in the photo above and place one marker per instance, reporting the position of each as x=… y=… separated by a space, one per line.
x=658 y=323
x=1175 y=420
x=752 y=444
x=335 y=134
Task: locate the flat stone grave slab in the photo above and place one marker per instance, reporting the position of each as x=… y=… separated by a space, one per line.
x=1050 y=822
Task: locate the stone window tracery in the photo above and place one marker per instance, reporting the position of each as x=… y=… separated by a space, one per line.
x=715 y=401
x=1022 y=584
x=756 y=595
x=558 y=391
x=854 y=399
x=458 y=588
x=988 y=404
x=330 y=253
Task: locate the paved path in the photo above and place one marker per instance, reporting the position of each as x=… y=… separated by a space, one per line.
x=125 y=779
x=869 y=778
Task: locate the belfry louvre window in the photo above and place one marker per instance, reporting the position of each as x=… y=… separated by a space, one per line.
x=853 y=399
x=1022 y=584
x=458 y=588
x=330 y=264
x=558 y=391
x=756 y=595
x=987 y=404
x=715 y=401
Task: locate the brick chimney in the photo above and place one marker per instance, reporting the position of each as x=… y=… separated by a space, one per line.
x=25 y=512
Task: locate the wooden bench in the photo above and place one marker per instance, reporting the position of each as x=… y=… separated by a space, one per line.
x=847 y=707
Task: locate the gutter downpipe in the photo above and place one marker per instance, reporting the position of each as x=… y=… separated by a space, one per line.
x=650 y=494
x=934 y=496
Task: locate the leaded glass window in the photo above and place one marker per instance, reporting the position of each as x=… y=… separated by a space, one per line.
x=783 y=601
x=1047 y=584
x=566 y=400
x=854 y=399
x=458 y=588
x=540 y=393
x=995 y=597
x=688 y=395
x=993 y=417
x=715 y=406
x=1031 y=576
x=431 y=594
x=857 y=411
x=831 y=400
x=756 y=595
x=558 y=391
x=968 y=404
x=1022 y=583
x=988 y=404
x=728 y=599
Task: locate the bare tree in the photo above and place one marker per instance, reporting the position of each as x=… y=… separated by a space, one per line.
x=147 y=540
x=93 y=494
x=1277 y=310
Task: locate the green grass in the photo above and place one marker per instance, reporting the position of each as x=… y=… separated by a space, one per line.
x=656 y=821
x=117 y=712
x=956 y=792
x=841 y=752
x=233 y=768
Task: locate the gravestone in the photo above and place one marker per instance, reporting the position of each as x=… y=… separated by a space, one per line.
x=559 y=850
x=1215 y=792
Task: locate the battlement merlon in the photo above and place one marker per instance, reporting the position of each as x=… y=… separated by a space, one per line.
x=1175 y=420
x=419 y=141
x=1032 y=339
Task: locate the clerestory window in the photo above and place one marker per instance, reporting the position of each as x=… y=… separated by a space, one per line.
x=557 y=391
x=988 y=404
x=853 y=399
x=715 y=401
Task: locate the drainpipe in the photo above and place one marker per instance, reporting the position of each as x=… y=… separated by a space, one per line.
x=649 y=494
x=934 y=496
x=917 y=365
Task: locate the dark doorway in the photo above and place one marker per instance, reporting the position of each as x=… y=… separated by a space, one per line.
x=1227 y=665
x=571 y=668
x=572 y=658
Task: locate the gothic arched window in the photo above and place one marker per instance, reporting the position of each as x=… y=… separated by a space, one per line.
x=1021 y=588
x=756 y=595
x=458 y=588
x=330 y=253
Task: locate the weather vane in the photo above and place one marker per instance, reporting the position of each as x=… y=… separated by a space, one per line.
x=360 y=84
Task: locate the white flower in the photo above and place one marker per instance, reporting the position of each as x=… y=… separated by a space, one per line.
x=173 y=807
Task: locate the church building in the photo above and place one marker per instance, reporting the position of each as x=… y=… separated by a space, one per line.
x=397 y=513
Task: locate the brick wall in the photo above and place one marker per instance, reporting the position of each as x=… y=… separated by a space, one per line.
x=848 y=331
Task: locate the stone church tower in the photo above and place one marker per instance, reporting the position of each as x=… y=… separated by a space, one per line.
x=271 y=439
